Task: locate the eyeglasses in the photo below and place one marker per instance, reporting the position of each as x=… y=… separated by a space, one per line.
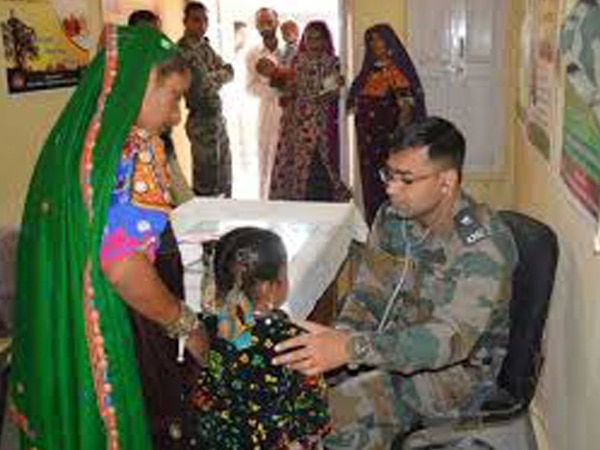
x=388 y=176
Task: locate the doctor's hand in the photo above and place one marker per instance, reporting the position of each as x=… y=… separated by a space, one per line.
x=318 y=351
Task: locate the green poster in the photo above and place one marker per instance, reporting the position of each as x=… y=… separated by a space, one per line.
x=580 y=47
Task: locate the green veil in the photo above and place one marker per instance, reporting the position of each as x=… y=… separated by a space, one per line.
x=74 y=381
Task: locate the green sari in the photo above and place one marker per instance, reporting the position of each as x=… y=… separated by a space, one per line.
x=75 y=383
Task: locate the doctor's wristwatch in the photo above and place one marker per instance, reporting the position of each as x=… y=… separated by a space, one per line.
x=359 y=347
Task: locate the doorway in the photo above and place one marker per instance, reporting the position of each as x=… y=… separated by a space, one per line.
x=458 y=48
x=232 y=34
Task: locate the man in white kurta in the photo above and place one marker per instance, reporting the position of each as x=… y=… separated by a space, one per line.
x=258 y=85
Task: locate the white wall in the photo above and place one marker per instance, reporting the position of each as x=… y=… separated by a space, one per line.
x=567 y=404
x=25 y=121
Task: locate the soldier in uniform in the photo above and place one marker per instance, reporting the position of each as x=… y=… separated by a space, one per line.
x=425 y=327
x=205 y=126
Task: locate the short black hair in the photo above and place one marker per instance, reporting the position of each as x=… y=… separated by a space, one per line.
x=193 y=6
x=239 y=25
x=264 y=9
x=247 y=255
x=142 y=16
x=444 y=142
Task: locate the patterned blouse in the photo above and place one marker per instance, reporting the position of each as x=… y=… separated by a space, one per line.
x=140 y=202
x=242 y=401
x=385 y=79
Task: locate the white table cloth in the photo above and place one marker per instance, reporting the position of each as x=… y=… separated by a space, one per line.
x=316 y=235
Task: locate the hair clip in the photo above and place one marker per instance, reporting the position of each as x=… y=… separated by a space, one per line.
x=246 y=255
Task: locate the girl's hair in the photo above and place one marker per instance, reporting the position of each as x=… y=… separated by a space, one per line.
x=246 y=256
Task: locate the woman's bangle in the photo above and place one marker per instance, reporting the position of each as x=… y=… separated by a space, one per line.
x=184 y=324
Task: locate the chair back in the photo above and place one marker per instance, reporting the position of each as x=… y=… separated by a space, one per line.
x=532 y=285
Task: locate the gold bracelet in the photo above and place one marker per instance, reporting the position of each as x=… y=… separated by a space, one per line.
x=184 y=324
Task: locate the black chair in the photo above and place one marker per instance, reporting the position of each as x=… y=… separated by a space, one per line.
x=503 y=422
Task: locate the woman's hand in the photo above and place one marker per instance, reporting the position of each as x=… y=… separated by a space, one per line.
x=136 y=281
x=318 y=351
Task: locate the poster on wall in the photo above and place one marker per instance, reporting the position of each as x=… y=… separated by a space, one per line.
x=537 y=72
x=580 y=49
x=46 y=43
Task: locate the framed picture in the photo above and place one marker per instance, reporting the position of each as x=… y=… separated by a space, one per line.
x=47 y=43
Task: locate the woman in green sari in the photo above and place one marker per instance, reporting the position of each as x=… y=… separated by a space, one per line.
x=97 y=204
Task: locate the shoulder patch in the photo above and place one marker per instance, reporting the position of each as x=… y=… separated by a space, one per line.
x=468 y=227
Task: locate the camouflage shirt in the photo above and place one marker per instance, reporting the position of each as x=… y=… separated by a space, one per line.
x=451 y=309
x=209 y=74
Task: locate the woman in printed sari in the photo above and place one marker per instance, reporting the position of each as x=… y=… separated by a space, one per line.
x=307 y=159
x=96 y=207
x=386 y=96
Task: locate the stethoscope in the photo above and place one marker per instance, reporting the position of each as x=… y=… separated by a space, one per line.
x=408 y=246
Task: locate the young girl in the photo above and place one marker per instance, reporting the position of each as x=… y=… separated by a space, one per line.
x=242 y=400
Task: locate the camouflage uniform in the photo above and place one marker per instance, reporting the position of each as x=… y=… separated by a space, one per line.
x=445 y=336
x=205 y=126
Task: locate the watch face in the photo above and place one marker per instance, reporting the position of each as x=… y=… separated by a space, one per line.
x=360 y=347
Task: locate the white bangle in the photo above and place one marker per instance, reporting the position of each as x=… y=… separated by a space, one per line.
x=181 y=340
